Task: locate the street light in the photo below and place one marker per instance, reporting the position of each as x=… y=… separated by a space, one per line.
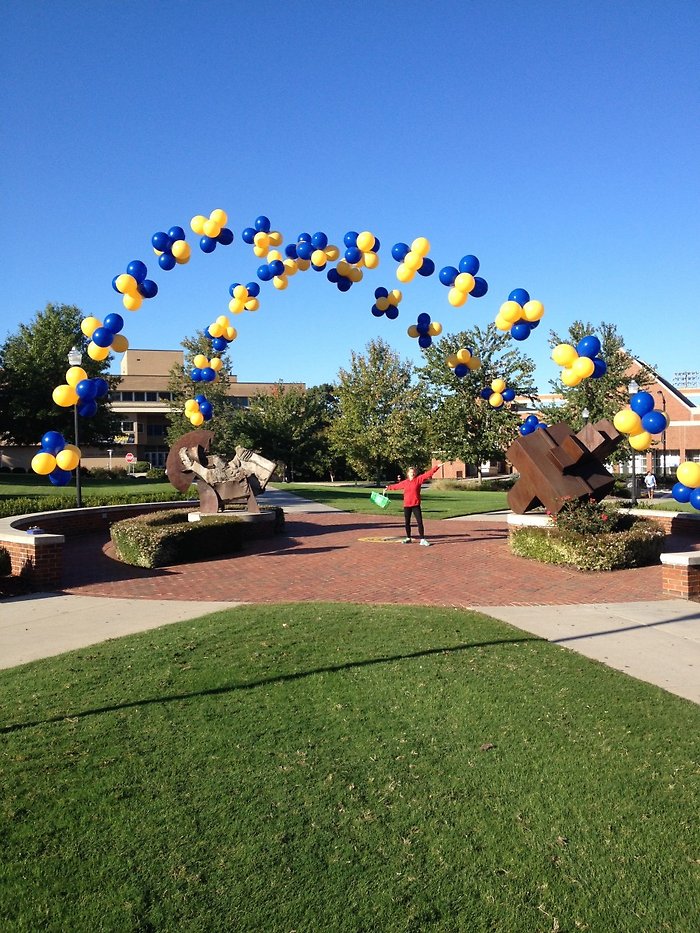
x=663 y=438
x=632 y=389
x=585 y=414
x=75 y=358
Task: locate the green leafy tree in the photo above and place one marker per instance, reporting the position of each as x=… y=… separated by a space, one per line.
x=463 y=426
x=33 y=361
x=381 y=421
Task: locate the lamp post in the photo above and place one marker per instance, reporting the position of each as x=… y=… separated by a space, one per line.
x=585 y=414
x=632 y=389
x=75 y=358
x=663 y=437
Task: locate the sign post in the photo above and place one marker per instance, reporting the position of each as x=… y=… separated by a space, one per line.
x=129 y=459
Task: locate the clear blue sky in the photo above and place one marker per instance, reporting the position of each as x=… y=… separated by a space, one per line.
x=558 y=142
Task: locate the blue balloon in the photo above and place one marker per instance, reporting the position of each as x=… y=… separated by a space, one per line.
x=166 y=262
x=277 y=267
x=262 y=224
x=423 y=318
x=654 y=422
x=381 y=292
x=148 y=288
x=353 y=254
x=526 y=428
x=60 y=477
x=486 y=393
x=532 y=420
x=520 y=330
x=219 y=344
x=253 y=289
x=114 y=284
x=319 y=240
x=317 y=268
x=520 y=295
x=248 y=235
x=642 y=402
x=600 y=367
x=350 y=238
x=461 y=370
x=422 y=327
x=399 y=250
x=200 y=398
x=207 y=244
x=377 y=245
x=137 y=269
x=542 y=425
x=88 y=408
x=392 y=312
x=344 y=284
x=447 y=275
x=333 y=275
x=304 y=249
x=176 y=233
x=113 y=322
x=161 y=242
x=533 y=324
x=86 y=389
x=206 y=408
x=196 y=374
x=481 y=286
x=304 y=238
x=424 y=341
x=469 y=264
x=508 y=395
x=232 y=287
x=681 y=492
x=427 y=267
x=52 y=442
x=290 y=251
x=225 y=237
x=376 y=312
x=208 y=374
x=101 y=387
x=695 y=498
x=102 y=336
x=264 y=273
x=589 y=346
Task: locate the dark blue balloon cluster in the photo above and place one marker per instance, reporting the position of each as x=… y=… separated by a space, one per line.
x=207 y=244
x=262 y=224
x=354 y=252
x=171 y=248
x=590 y=346
x=386 y=302
x=89 y=391
x=469 y=265
x=399 y=251
x=145 y=287
x=653 y=421
x=203 y=374
x=531 y=424
x=424 y=330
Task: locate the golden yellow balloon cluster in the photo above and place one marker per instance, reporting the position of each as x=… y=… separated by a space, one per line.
x=462 y=362
x=243 y=298
x=103 y=337
x=519 y=315
x=210 y=226
x=414 y=260
x=65 y=395
x=386 y=302
x=196 y=411
x=68 y=458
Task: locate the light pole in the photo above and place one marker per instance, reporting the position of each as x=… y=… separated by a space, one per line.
x=663 y=438
x=585 y=414
x=75 y=358
x=633 y=388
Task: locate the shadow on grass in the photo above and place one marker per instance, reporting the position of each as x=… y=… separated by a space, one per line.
x=267 y=681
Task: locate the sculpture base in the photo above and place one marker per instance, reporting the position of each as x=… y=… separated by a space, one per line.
x=532 y=520
x=256 y=518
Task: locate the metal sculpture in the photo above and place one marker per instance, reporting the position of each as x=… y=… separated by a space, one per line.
x=556 y=466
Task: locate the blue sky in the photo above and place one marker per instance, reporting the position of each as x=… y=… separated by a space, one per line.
x=558 y=142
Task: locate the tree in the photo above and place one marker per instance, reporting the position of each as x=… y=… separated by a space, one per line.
x=381 y=419
x=602 y=397
x=464 y=426
x=32 y=363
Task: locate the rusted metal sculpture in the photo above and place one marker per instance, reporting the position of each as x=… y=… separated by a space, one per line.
x=556 y=465
x=218 y=482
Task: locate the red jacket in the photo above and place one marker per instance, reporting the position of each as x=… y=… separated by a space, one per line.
x=411 y=487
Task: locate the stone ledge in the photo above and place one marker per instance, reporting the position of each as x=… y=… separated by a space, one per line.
x=682 y=559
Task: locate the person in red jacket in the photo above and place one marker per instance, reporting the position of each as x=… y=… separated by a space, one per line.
x=411 y=501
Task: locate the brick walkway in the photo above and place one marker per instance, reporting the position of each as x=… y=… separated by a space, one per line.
x=323 y=557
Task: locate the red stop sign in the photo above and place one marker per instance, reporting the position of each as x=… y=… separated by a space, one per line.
x=130 y=458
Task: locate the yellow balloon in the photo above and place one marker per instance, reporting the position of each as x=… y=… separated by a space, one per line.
x=564 y=354
x=219 y=217
x=343 y=267
x=583 y=366
x=191 y=405
x=332 y=253
x=132 y=302
x=569 y=377
x=456 y=298
x=231 y=333
x=365 y=241
x=215 y=329
x=474 y=363
x=496 y=400
x=217 y=364
x=498 y=385
x=97 y=353
x=641 y=441
x=628 y=422
x=371 y=260
x=412 y=331
x=421 y=245
x=290 y=266
x=120 y=344
x=303 y=264
x=43 y=463
x=465 y=282
x=533 y=310
x=235 y=306
x=260 y=251
x=276 y=237
x=75 y=374
x=223 y=320
x=274 y=254
x=510 y=311
x=280 y=282
x=261 y=240
x=319 y=258
x=68 y=458
x=181 y=251
x=435 y=328
x=355 y=274
x=197 y=418
x=126 y=284
x=463 y=356
x=452 y=360
x=382 y=303
x=211 y=229
x=413 y=260
x=65 y=396
x=404 y=274
x=200 y=361
x=500 y=322
x=395 y=296
x=688 y=473
x=252 y=304
x=89 y=325
x=197 y=224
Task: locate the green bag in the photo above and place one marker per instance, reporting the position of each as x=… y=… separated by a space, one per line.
x=379 y=499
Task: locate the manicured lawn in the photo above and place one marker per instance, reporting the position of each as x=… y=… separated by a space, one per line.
x=344 y=768
x=435 y=503
x=13 y=484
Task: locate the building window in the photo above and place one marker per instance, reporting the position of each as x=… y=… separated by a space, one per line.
x=126 y=427
x=139 y=396
x=155 y=430
x=151 y=396
x=239 y=401
x=126 y=396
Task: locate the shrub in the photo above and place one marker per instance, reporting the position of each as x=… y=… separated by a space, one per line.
x=19 y=470
x=157 y=475
x=586 y=516
x=5 y=562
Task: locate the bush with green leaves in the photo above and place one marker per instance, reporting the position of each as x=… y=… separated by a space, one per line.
x=586 y=516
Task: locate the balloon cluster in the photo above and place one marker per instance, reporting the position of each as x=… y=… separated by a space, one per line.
x=56 y=459
x=243 y=298
x=462 y=362
x=361 y=249
x=581 y=361
x=134 y=286
x=345 y=275
x=497 y=394
x=640 y=421
x=520 y=315
x=530 y=424
x=261 y=237
x=424 y=329
x=104 y=336
x=412 y=259
x=80 y=390
x=212 y=230
x=313 y=249
x=687 y=489
x=386 y=302
x=171 y=248
x=463 y=281
x=221 y=334
x=198 y=409
x=203 y=369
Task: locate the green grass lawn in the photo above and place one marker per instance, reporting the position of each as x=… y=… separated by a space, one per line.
x=14 y=484
x=344 y=768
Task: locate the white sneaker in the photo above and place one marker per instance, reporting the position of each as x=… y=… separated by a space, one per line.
x=406 y=541
x=425 y=542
